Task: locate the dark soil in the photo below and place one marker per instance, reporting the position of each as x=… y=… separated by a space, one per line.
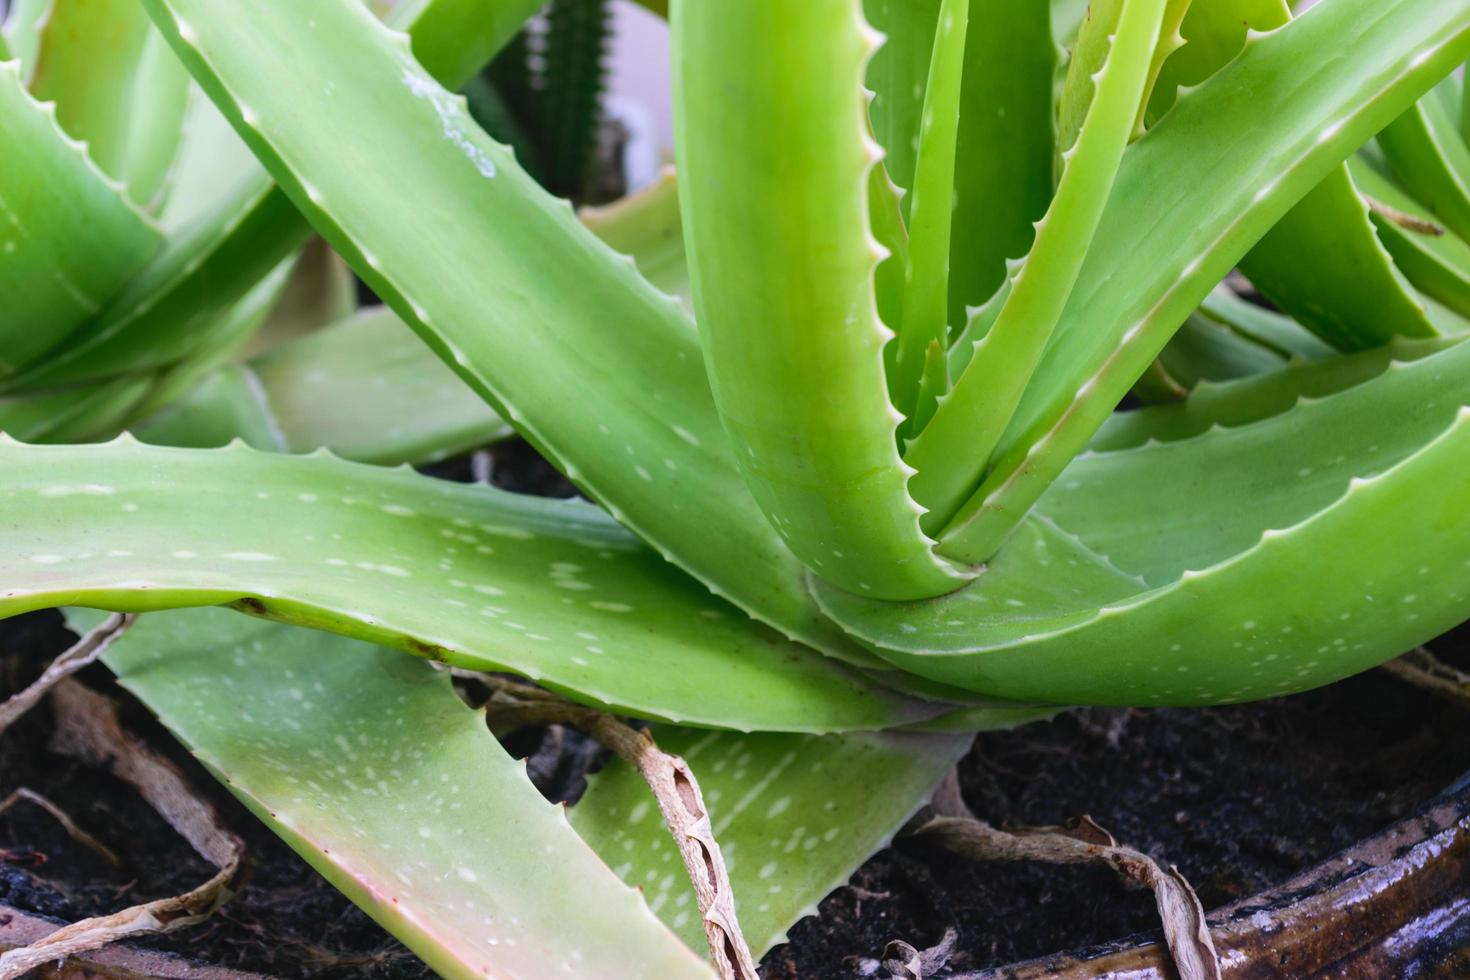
x=1239 y=798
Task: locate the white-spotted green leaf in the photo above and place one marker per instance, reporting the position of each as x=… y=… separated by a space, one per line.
x=554 y=590
x=499 y=278
x=1095 y=600
x=795 y=815
x=370 y=767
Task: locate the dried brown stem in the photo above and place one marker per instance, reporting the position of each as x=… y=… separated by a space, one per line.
x=679 y=801
x=1185 y=930
x=1402 y=219
x=1424 y=670
x=69 y=825
x=88 y=729
x=82 y=653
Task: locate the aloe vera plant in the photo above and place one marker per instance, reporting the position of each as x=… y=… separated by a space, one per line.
x=841 y=395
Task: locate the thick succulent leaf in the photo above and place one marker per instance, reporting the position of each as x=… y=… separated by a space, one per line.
x=1430 y=158
x=213 y=165
x=1089 y=53
x=470 y=575
x=775 y=206
x=72 y=415
x=1357 y=300
x=952 y=451
x=168 y=308
x=368 y=389
x=1204 y=350
x=1003 y=161
x=646 y=225
x=229 y=227
x=88 y=57
x=1294 y=110
x=1438 y=264
x=1241 y=402
x=227 y=336
x=1361 y=432
x=1221 y=602
x=68 y=235
x=159 y=104
x=499 y=278
x=320 y=292
x=1265 y=327
x=795 y=816
x=897 y=75
x=22 y=31
x=454 y=39
x=925 y=322
x=370 y=767
x=227 y=405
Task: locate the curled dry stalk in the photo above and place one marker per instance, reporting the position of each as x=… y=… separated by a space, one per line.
x=75 y=832
x=88 y=729
x=1185 y=930
x=516 y=705
x=81 y=653
x=1423 y=669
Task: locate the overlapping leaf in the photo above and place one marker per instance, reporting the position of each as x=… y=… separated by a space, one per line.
x=369 y=766
x=553 y=590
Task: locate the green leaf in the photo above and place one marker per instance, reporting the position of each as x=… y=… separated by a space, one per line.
x=897 y=74
x=1265 y=327
x=951 y=453
x=368 y=389
x=370 y=767
x=1241 y=402
x=68 y=235
x=1359 y=299
x=1204 y=350
x=795 y=816
x=225 y=406
x=1294 y=110
x=158 y=103
x=1432 y=161
x=470 y=575
x=499 y=279
x=89 y=54
x=776 y=220
x=1096 y=600
x=646 y=225
x=1003 y=161
x=72 y=415
x=229 y=228
x=320 y=292
x=931 y=212
x=22 y=31
x=454 y=39
x=1439 y=265
x=227 y=336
